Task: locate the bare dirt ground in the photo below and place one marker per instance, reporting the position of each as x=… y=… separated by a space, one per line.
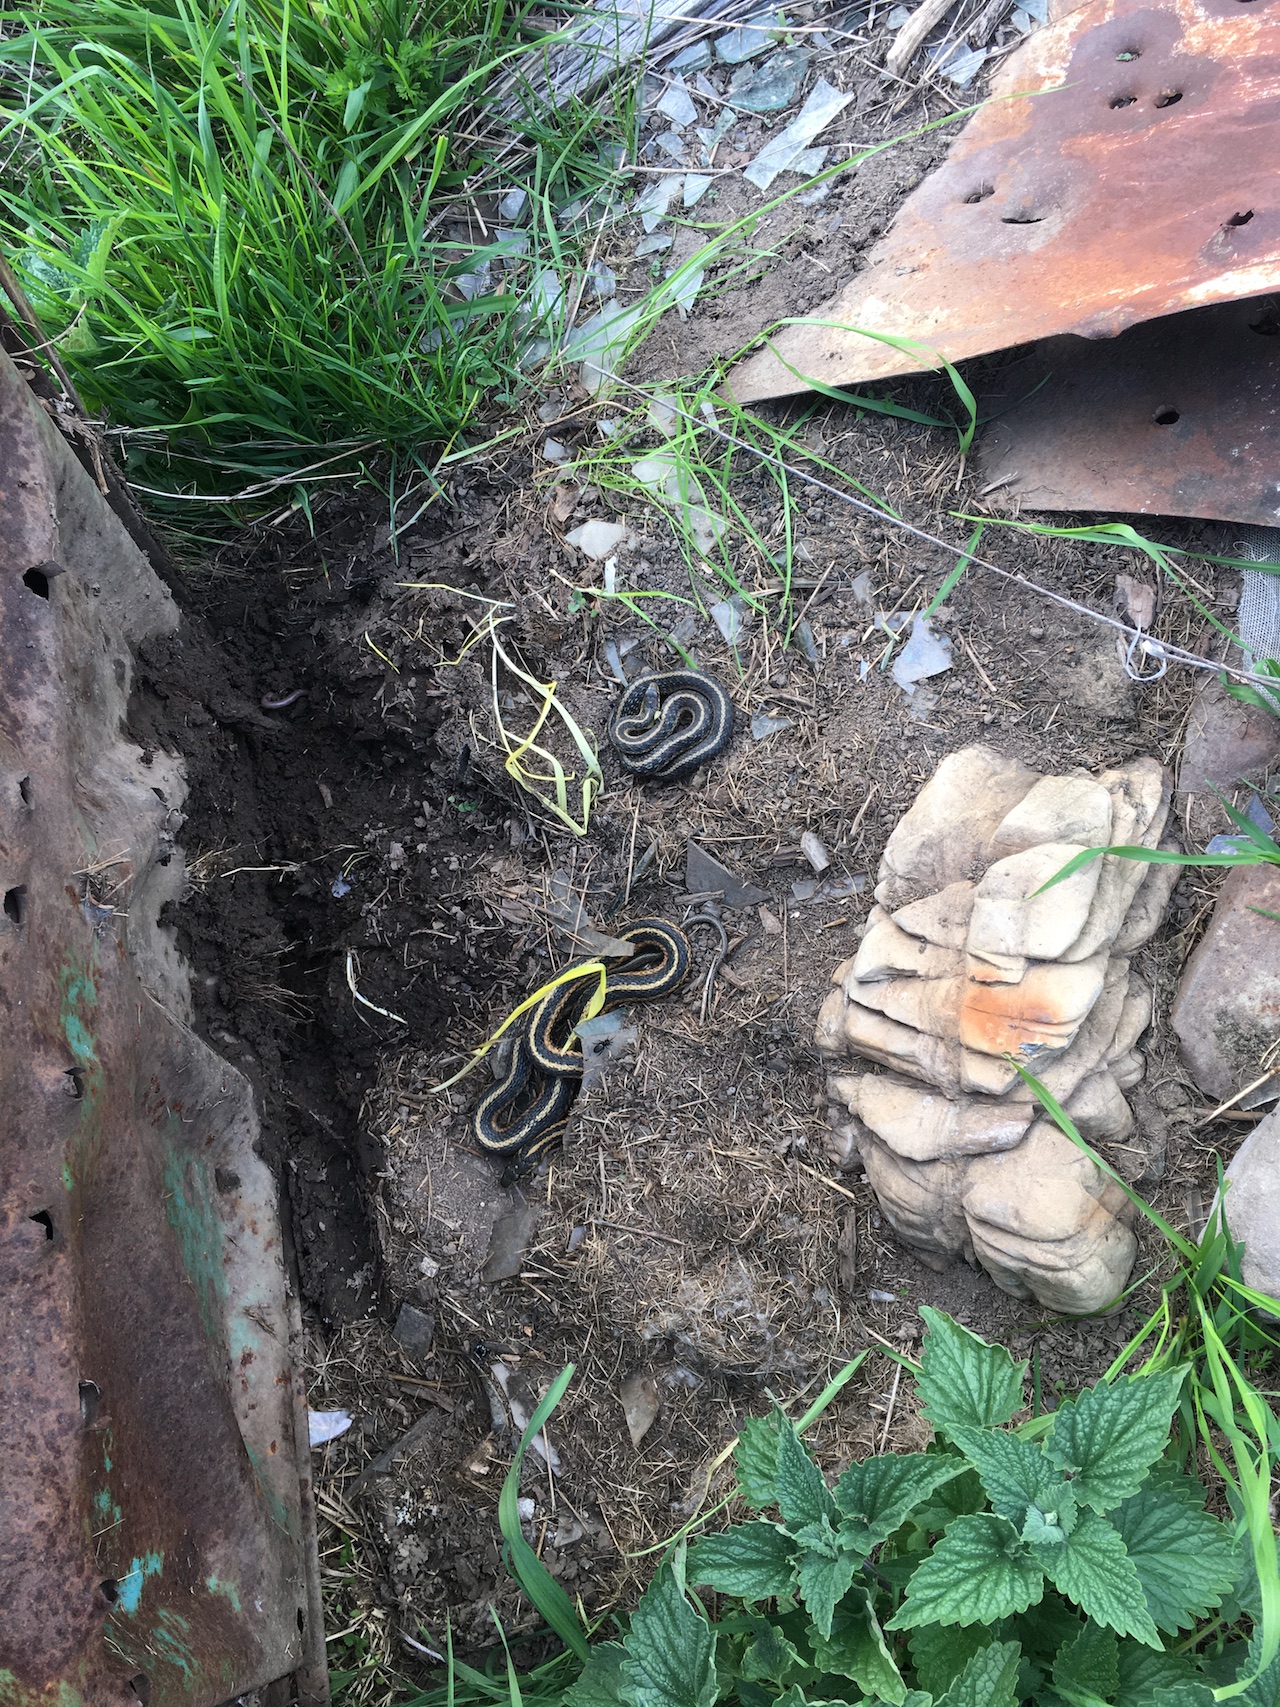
x=691 y=1238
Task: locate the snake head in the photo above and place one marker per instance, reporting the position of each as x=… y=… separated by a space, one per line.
x=652 y=703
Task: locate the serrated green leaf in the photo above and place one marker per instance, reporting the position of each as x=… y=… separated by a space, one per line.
x=1017 y=1476
x=768 y=1656
x=1264 y=1691
x=598 y=1683
x=800 y=1489
x=1186 y=1560
x=877 y=1496
x=940 y=1652
x=1040 y=1526
x=1143 y=1670
x=752 y=1560
x=989 y=1679
x=1049 y=1624
x=964 y=1382
x=670 y=1651
x=979 y=1572
x=795 y=1696
x=1092 y=1568
x=756 y=1459
x=1089 y=1665
x=1108 y=1437
x=822 y=1581
x=1190 y=1692
x=855 y=1648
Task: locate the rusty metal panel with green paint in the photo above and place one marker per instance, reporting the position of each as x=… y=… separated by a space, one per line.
x=156 y=1539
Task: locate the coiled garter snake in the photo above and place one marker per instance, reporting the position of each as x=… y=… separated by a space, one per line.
x=545 y=1071
x=669 y=722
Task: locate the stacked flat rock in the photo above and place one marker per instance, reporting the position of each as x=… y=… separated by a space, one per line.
x=962 y=965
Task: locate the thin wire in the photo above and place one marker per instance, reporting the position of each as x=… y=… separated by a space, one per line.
x=1175 y=654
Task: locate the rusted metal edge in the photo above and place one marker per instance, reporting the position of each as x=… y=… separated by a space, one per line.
x=1122 y=170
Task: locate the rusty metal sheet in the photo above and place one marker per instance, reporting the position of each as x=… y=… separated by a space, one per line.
x=1178 y=416
x=1138 y=181
x=154 y=1481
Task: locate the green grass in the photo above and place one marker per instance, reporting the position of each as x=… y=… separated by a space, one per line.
x=229 y=216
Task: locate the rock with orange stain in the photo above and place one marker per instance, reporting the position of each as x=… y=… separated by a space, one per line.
x=969 y=964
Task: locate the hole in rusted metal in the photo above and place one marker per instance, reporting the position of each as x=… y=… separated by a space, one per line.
x=981 y=193
x=1127 y=53
x=75 y=1083
x=1165 y=415
x=1268 y=325
x=36 y=581
x=1241 y=218
x=110 y=1590
x=1122 y=101
x=90 y=1402
x=302 y=1619
x=226 y=1179
x=141 y=1687
x=1023 y=216
x=24 y=790
x=1168 y=98
x=43 y=1218
x=15 y=904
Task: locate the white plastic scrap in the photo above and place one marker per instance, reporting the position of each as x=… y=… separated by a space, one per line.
x=925 y=654
x=677 y=104
x=596 y=539
x=786 y=152
x=729 y=617
x=323 y=1426
x=601 y=343
x=653 y=204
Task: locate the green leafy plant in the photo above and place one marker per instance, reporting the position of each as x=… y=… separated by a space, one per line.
x=1066 y=1559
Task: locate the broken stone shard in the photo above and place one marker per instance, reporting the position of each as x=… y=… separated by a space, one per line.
x=969 y=964
x=1227 y=1012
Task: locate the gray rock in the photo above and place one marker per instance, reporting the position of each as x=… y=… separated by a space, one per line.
x=414 y=1330
x=1227 y=1013
x=704 y=874
x=512 y=1233
x=1253 y=1205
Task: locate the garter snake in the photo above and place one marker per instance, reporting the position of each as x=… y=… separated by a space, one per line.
x=545 y=1071
x=669 y=722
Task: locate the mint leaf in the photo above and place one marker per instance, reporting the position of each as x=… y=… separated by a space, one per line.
x=800 y=1490
x=964 y=1382
x=1264 y=1691
x=940 y=1653
x=879 y=1495
x=1092 y=1568
x=979 y=1572
x=1089 y=1665
x=1190 y=1692
x=1018 y=1477
x=796 y=1697
x=855 y=1648
x=1108 y=1437
x=822 y=1581
x=670 y=1651
x=1186 y=1560
x=756 y=1459
x=768 y=1657
x=989 y=1679
x=751 y=1560
x=1145 y=1670
x=599 y=1680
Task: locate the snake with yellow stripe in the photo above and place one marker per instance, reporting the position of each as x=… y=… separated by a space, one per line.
x=525 y=1113
x=669 y=722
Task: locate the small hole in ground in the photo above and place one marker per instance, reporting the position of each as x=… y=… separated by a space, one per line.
x=1118 y=101
x=1165 y=416
x=37 y=582
x=90 y=1402
x=24 y=790
x=43 y=1219
x=980 y=194
x=1168 y=98
x=1241 y=218
x=15 y=904
x=141 y=1687
x=110 y=1590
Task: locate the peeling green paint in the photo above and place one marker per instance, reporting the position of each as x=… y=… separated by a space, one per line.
x=189 y=1207
x=171 y=1643
x=129 y=1587
x=228 y=1591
